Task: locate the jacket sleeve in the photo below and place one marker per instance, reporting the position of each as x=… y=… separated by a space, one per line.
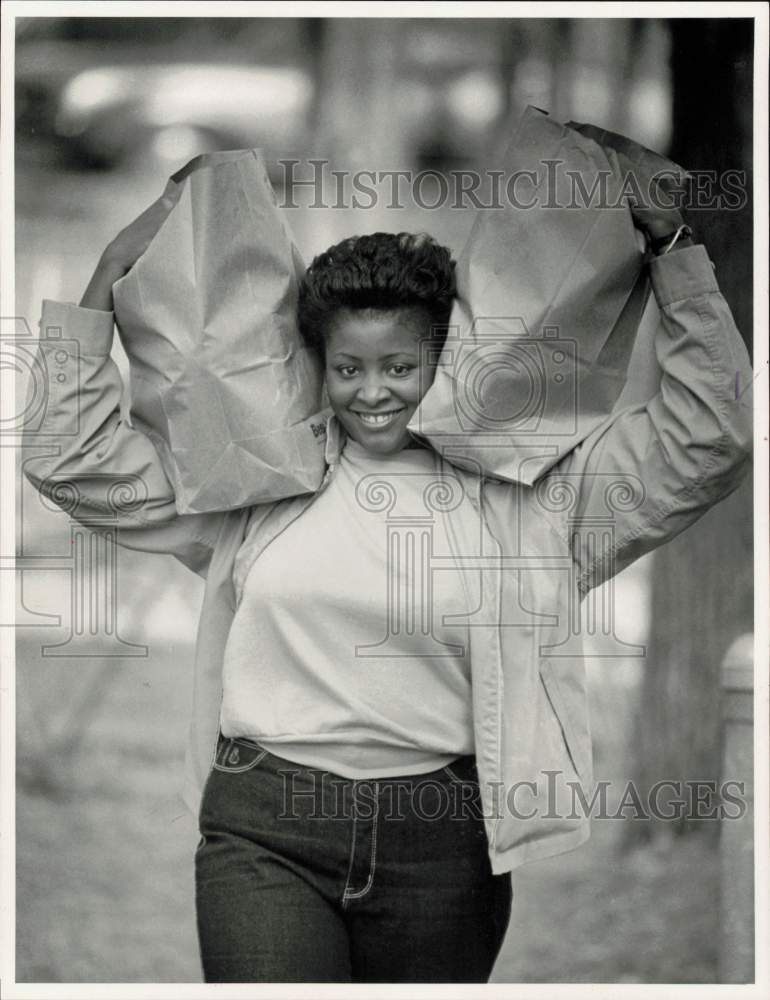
x=651 y=470
x=87 y=459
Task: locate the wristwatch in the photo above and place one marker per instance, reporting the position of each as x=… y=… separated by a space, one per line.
x=663 y=244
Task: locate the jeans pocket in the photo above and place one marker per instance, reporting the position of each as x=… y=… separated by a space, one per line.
x=453 y=777
x=236 y=756
x=462 y=771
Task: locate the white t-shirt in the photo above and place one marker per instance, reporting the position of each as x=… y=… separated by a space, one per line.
x=340 y=655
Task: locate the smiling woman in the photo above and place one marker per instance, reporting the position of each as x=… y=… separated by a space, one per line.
x=375 y=377
x=375 y=669
x=376 y=309
x=365 y=652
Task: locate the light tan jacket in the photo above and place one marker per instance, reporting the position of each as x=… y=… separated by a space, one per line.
x=642 y=477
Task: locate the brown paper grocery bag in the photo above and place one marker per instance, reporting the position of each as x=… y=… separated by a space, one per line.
x=643 y=169
x=551 y=291
x=219 y=378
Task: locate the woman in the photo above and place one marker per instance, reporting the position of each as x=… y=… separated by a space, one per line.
x=392 y=731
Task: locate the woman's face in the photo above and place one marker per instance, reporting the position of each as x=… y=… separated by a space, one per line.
x=376 y=375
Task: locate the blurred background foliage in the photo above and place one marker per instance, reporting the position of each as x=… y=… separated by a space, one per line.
x=106 y=109
x=108 y=92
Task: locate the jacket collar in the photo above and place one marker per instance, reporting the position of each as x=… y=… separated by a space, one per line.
x=336 y=435
x=335 y=439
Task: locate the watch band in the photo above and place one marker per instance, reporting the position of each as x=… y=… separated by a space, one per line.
x=663 y=244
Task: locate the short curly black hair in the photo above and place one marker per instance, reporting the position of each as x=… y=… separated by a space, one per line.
x=380 y=271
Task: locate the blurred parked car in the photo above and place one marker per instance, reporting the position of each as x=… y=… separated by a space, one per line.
x=114 y=114
x=110 y=104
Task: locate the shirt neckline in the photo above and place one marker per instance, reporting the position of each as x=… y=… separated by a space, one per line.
x=354 y=451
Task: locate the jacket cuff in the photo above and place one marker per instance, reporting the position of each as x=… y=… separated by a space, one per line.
x=682 y=274
x=91 y=328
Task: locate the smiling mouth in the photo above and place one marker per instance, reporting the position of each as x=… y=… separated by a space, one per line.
x=378 y=419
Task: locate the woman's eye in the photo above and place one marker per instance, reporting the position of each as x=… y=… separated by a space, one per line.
x=347 y=371
x=401 y=370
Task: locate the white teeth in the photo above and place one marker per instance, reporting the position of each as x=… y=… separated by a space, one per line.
x=377 y=418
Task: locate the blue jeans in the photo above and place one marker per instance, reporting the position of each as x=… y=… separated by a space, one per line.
x=305 y=876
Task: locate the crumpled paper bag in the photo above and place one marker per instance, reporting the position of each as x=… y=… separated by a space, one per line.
x=644 y=164
x=642 y=169
x=551 y=292
x=219 y=377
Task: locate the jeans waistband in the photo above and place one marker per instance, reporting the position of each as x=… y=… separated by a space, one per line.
x=237 y=753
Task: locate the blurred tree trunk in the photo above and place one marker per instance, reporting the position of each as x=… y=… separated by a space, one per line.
x=358 y=84
x=702 y=581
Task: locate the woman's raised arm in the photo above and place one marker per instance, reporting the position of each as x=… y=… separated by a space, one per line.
x=96 y=463
x=663 y=464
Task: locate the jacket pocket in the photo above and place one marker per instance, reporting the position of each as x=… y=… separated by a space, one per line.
x=573 y=720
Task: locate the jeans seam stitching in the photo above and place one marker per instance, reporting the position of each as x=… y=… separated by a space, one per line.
x=239 y=770
x=452 y=774
x=350 y=862
x=244 y=742
x=372 y=863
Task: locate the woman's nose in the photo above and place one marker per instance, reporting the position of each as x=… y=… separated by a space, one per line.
x=373 y=391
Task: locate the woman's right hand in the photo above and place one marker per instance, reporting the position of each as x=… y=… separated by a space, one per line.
x=122 y=253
